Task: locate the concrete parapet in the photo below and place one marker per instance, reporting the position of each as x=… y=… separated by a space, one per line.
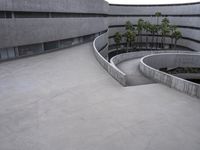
x=150 y=65
x=98 y=43
x=134 y=55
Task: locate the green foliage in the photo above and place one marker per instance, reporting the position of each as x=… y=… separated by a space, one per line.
x=165 y=29
x=177 y=35
x=165 y=21
x=129 y=26
x=146 y=26
x=117 y=39
x=181 y=70
x=130 y=37
x=158 y=14
x=140 y=25
x=173 y=28
x=153 y=28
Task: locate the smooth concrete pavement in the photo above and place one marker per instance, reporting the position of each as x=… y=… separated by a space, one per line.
x=66 y=101
x=134 y=76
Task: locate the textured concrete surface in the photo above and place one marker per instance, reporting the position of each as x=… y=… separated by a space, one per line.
x=26 y=31
x=86 y=6
x=134 y=76
x=100 y=43
x=66 y=101
x=151 y=9
x=150 y=66
x=38 y=30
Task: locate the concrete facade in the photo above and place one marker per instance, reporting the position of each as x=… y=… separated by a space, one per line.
x=78 y=6
x=66 y=101
x=185 y=16
x=26 y=23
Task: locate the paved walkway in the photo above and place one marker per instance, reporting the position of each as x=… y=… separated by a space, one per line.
x=65 y=101
x=134 y=76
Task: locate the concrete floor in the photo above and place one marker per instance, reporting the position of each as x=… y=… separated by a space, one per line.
x=65 y=101
x=134 y=76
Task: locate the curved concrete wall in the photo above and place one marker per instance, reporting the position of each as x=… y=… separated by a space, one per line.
x=150 y=65
x=169 y=9
x=36 y=26
x=134 y=55
x=86 y=6
x=38 y=30
x=99 y=44
x=185 y=16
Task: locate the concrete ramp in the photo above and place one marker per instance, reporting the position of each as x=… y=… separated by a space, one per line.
x=134 y=76
x=66 y=101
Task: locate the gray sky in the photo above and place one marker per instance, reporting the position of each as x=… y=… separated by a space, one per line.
x=149 y=1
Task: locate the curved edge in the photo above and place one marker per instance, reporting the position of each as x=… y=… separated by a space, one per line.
x=134 y=55
x=154 y=5
x=171 y=81
x=112 y=70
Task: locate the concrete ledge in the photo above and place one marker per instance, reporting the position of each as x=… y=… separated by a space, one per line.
x=149 y=66
x=98 y=43
x=134 y=55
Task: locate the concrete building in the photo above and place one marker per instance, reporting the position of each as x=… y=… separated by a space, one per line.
x=34 y=27
x=65 y=100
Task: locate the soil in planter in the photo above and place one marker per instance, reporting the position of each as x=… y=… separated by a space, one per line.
x=181 y=70
x=194 y=80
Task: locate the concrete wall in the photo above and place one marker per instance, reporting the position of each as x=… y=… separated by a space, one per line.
x=185 y=16
x=15 y=32
x=46 y=23
x=192 y=8
x=84 y=6
x=98 y=44
x=73 y=20
x=149 y=66
x=134 y=55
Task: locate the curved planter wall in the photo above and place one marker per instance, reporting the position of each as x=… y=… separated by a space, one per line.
x=150 y=65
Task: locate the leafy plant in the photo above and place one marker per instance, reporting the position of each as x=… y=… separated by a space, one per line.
x=129 y=26
x=139 y=28
x=177 y=35
x=117 y=39
x=172 y=35
x=130 y=37
x=158 y=15
x=165 y=30
x=153 y=30
x=146 y=27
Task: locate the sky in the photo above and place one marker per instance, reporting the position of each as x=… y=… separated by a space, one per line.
x=149 y=1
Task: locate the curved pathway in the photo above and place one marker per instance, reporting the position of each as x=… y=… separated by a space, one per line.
x=134 y=76
x=65 y=101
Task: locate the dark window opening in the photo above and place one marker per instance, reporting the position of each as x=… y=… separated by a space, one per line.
x=31 y=14
x=51 y=45
x=30 y=49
